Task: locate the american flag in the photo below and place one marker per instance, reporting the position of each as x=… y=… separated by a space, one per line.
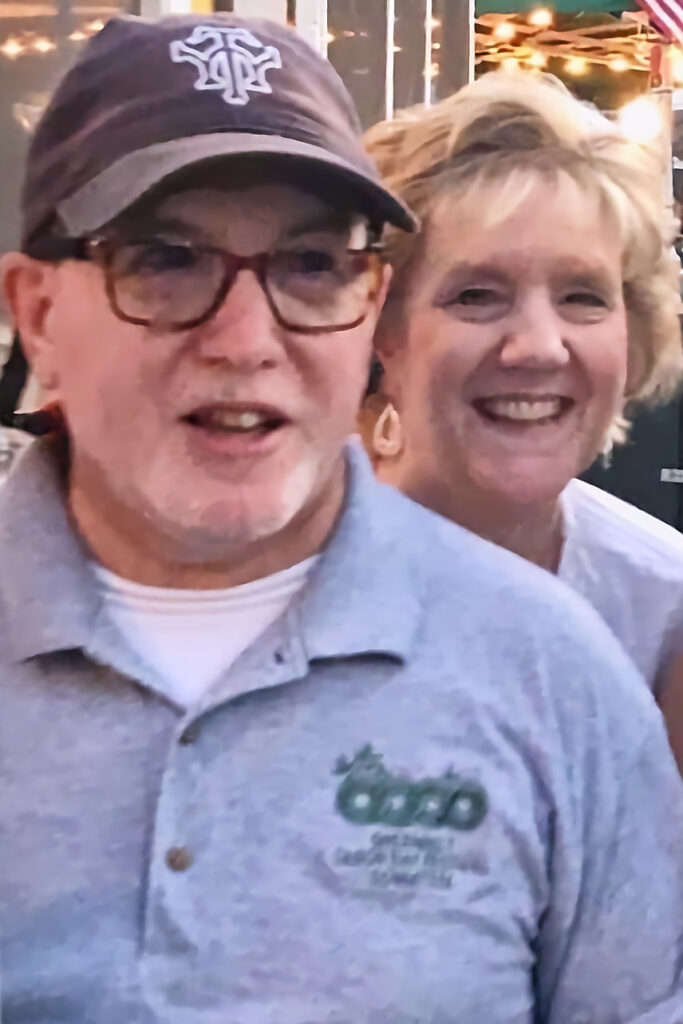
x=667 y=15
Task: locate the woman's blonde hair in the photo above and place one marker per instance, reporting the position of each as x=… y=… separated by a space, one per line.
x=507 y=130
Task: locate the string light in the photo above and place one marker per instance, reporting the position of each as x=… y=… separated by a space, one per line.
x=542 y=17
x=398 y=49
x=43 y=45
x=11 y=48
x=618 y=64
x=436 y=46
x=330 y=37
x=505 y=31
x=78 y=36
x=95 y=26
x=538 y=60
x=510 y=64
x=433 y=71
x=576 y=66
x=435 y=23
x=348 y=33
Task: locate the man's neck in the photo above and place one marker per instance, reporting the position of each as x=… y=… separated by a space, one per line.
x=134 y=552
x=532 y=531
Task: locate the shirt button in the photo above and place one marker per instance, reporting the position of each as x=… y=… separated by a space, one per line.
x=189 y=735
x=178 y=858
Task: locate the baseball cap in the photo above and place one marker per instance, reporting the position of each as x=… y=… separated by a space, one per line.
x=148 y=99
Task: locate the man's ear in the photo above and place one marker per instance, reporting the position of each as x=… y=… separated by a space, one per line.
x=28 y=286
x=390 y=347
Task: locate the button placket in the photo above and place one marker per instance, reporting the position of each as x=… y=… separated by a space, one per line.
x=173 y=852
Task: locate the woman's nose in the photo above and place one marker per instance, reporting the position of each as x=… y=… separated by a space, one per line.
x=535 y=336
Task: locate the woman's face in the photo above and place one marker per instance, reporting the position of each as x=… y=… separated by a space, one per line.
x=507 y=360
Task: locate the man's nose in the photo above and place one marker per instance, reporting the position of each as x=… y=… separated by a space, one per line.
x=244 y=331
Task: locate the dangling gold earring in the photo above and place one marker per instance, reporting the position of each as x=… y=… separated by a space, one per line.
x=387 y=437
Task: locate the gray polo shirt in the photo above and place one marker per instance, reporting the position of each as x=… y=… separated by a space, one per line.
x=441 y=795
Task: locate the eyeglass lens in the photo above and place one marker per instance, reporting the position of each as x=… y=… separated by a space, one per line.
x=164 y=284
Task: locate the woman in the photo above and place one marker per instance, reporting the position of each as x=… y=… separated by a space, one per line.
x=536 y=307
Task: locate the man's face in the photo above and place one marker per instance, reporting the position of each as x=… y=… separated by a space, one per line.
x=221 y=436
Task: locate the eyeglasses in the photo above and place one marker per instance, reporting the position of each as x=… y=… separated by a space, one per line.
x=177 y=286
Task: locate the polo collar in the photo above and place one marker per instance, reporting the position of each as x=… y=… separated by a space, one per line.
x=364 y=596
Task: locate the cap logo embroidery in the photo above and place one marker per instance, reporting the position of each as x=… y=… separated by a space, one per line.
x=230 y=59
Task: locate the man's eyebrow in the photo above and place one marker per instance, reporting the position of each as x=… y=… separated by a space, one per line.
x=160 y=223
x=332 y=221
x=164 y=223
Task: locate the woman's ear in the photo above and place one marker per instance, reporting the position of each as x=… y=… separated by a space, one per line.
x=28 y=287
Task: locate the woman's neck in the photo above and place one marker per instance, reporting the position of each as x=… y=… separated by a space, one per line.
x=532 y=530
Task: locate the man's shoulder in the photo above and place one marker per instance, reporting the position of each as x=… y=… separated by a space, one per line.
x=453 y=561
x=521 y=633
x=472 y=587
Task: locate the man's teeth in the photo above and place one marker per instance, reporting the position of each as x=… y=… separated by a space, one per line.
x=226 y=419
x=521 y=409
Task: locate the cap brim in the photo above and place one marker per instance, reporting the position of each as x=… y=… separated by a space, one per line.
x=128 y=179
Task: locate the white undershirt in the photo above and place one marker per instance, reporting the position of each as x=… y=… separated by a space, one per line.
x=192 y=637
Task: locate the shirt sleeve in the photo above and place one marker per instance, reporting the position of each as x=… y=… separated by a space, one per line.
x=619 y=960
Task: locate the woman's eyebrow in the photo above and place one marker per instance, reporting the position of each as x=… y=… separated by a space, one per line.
x=586 y=272
x=465 y=270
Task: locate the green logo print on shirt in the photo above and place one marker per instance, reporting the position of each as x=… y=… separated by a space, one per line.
x=370 y=794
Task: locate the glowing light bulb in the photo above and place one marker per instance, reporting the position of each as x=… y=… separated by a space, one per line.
x=538 y=60
x=505 y=31
x=541 y=18
x=11 y=48
x=576 y=66
x=677 y=65
x=43 y=45
x=510 y=64
x=641 y=121
x=95 y=26
x=77 y=36
x=618 y=64
x=331 y=37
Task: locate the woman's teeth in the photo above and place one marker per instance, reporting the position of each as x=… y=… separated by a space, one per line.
x=525 y=410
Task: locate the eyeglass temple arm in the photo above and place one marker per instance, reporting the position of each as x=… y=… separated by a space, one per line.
x=51 y=249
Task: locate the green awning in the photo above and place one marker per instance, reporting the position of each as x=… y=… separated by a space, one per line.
x=566 y=6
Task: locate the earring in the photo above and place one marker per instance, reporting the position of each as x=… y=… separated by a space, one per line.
x=387 y=437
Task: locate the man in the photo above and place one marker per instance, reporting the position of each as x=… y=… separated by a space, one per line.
x=278 y=745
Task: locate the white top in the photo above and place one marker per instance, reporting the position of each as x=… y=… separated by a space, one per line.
x=192 y=637
x=629 y=566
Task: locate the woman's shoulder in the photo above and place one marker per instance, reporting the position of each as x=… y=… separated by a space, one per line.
x=607 y=524
x=629 y=566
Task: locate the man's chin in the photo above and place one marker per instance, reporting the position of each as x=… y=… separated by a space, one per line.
x=202 y=530
x=214 y=535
